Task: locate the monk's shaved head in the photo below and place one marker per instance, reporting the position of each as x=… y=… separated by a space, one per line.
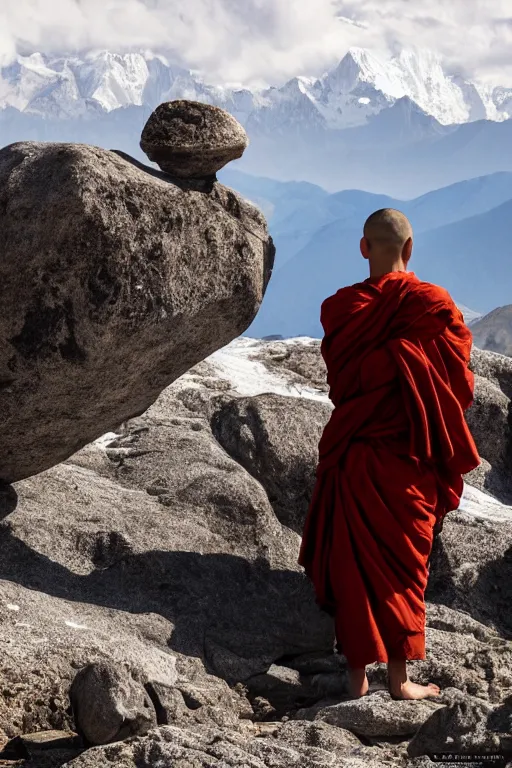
x=388 y=227
x=387 y=241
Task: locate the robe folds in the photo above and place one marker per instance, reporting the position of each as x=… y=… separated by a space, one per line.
x=391 y=459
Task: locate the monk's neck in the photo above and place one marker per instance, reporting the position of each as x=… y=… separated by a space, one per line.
x=378 y=270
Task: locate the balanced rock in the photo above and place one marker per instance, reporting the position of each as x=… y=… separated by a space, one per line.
x=114 y=281
x=188 y=139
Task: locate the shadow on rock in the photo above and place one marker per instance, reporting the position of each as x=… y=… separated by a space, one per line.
x=236 y=615
x=484 y=590
x=8 y=500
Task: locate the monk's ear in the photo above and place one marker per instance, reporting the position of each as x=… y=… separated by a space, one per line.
x=407 y=250
x=365 y=248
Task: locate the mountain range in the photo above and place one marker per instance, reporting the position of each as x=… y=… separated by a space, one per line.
x=360 y=86
x=401 y=126
x=370 y=133
x=462 y=241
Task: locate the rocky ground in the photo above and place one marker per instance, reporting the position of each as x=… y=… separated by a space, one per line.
x=151 y=582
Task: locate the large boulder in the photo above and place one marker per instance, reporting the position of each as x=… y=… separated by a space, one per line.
x=489 y=421
x=471 y=566
x=114 y=280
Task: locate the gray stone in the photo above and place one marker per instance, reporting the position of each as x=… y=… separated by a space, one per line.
x=299 y=362
x=162 y=553
x=458 y=728
x=203 y=747
x=471 y=567
x=276 y=439
x=135 y=281
x=287 y=690
x=200 y=702
x=109 y=705
x=378 y=715
x=302 y=733
x=457 y=660
x=488 y=419
x=34 y=744
x=494 y=367
x=189 y=139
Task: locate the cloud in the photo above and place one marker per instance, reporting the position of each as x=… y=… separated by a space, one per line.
x=252 y=41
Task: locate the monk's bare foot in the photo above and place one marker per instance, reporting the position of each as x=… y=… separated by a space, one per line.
x=357 y=683
x=411 y=691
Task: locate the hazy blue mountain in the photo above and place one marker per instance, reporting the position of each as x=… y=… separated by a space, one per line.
x=277 y=199
x=390 y=154
x=291 y=306
x=297 y=211
x=471 y=257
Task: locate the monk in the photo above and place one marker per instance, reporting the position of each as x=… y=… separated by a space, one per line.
x=391 y=458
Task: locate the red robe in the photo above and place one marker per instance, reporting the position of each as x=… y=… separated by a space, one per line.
x=391 y=459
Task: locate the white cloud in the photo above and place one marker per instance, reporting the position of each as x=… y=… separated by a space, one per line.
x=266 y=40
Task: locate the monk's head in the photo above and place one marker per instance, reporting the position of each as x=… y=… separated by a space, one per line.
x=387 y=241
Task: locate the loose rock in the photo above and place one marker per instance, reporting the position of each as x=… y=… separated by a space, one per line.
x=109 y=705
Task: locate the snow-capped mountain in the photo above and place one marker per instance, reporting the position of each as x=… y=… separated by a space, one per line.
x=361 y=86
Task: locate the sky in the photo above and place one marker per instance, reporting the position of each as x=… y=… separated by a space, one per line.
x=258 y=42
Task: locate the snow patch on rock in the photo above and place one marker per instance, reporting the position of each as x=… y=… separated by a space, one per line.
x=250 y=377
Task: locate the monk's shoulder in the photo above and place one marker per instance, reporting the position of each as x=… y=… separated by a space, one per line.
x=344 y=297
x=341 y=306
x=431 y=296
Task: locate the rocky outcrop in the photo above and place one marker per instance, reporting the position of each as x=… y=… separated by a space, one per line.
x=276 y=439
x=138 y=277
x=489 y=420
x=466 y=725
x=159 y=552
x=155 y=554
x=210 y=748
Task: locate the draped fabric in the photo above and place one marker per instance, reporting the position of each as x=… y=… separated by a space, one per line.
x=391 y=459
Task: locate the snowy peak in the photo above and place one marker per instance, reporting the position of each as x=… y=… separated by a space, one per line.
x=361 y=86
x=112 y=80
x=364 y=78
